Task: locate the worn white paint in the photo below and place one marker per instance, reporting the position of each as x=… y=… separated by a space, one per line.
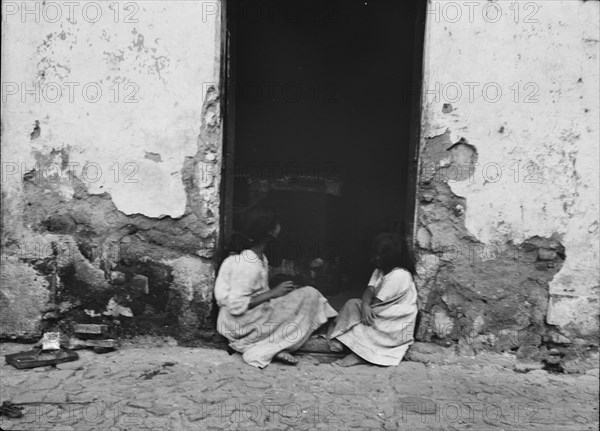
x=152 y=61
x=118 y=90
x=168 y=57
x=547 y=150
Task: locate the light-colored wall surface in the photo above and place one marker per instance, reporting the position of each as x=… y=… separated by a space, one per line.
x=123 y=94
x=522 y=80
x=139 y=182
x=152 y=67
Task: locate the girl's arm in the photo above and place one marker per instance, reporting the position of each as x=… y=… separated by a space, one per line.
x=368 y=295
x=260 y=298
x=282 y=289
x=368 y=299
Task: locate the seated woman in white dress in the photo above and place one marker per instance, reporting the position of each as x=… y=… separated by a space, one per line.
x=259 y=322
x=379 y=327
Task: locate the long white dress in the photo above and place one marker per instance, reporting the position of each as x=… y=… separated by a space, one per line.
x=386 y=341
x=283 y=323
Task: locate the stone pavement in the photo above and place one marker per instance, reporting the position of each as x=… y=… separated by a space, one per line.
x=166 y=387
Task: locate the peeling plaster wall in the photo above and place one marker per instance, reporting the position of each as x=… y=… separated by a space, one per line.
x=111 y=136
x=116 y=195
x=511 y=182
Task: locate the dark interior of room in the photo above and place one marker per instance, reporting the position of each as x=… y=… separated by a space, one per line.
x=322 y=94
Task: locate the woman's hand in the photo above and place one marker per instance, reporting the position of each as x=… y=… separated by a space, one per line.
x=282 y=289
x=367 y=314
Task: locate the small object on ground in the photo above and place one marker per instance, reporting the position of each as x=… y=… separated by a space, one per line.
x=335 y=346
x=323 y=358
x=160 y=370
x=318 y=343
x=51 y=341
x=40 y=358
x=286 y=358
x=102 y=350
x=115 y=309
x=99 y=346
x=91 y=336
x=90 y=328
x=92 y=313
x=11 y=410
x=350 y=360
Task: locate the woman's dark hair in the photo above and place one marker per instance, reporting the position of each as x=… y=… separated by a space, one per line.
x=255 y=224
x=393 y=251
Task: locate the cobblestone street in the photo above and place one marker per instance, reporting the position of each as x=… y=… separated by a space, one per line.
x=177 y=388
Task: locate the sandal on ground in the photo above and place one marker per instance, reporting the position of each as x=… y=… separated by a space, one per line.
x=350 y=360
x=286 y=358
x=335 y=346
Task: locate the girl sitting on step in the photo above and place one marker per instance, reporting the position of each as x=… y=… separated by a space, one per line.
x=259 y=322
x=379 y=327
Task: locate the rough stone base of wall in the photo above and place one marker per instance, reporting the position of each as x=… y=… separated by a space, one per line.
x=69 y=256
x=142 y=289
x=480 y=297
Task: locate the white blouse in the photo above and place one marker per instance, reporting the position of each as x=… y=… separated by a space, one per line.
x=241 y=277
x=392 y=284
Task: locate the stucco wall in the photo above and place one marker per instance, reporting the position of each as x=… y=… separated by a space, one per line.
x=115 y=195
x=508 y=194
x=110 y=144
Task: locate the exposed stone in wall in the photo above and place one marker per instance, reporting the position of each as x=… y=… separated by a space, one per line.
x=491 y=297
x=114 y=200
x=95 y=240
x=191 y=296
x=507 y=203
x=25 y=294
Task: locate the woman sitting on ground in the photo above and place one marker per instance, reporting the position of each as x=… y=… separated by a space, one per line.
x=379 y=328
x=259 y=322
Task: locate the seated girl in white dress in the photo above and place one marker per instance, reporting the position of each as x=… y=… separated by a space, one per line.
x=259 y=322
x=379 y=327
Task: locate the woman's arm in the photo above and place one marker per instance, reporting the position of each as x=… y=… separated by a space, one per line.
x=282 y=289
x=260 y=298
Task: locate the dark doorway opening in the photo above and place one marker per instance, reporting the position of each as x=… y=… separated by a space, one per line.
x=323 y=119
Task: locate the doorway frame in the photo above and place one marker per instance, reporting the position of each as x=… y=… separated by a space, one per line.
x=416 y=123
x=228 y=92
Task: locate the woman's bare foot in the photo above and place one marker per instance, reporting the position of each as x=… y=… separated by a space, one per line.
x=350 y=360
x=335 y=346
x=286 y=358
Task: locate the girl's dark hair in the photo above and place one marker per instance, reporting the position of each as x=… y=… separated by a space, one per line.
x=393 y=251
x=255 y=224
